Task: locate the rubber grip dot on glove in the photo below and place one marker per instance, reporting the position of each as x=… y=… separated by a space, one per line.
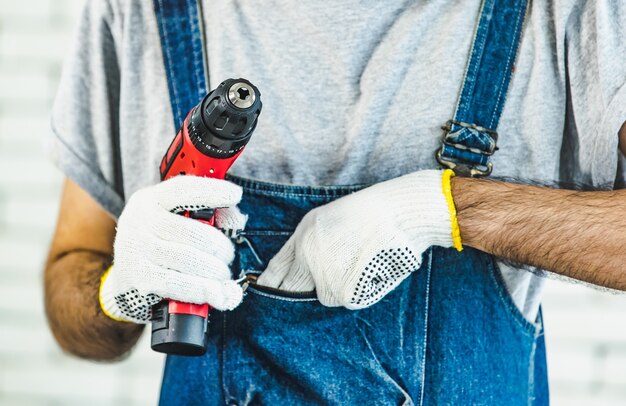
x=382 y=271
x=136 y=306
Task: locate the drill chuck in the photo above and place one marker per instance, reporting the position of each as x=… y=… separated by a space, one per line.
x=221 y=125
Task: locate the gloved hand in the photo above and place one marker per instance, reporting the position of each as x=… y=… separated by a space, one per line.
x=160 y=254
x=355 y=250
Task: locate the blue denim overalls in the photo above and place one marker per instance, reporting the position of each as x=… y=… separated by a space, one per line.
x=448 y=335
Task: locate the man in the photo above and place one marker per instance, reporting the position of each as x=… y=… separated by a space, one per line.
x=410 y=304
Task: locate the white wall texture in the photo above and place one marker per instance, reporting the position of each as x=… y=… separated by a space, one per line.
x=586 y=330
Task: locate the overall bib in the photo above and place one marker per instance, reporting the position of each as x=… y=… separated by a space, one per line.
x=450 y=334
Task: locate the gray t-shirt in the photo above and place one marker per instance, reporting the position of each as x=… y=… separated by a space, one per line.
x=353 y=91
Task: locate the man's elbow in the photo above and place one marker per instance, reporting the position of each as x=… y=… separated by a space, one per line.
x=73 y=312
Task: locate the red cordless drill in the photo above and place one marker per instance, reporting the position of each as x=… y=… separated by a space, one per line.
x=211 y=138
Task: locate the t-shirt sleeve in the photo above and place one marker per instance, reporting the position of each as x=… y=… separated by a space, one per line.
x=84 y=138
x=595 y=55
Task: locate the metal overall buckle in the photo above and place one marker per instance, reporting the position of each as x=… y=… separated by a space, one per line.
x=463 y=168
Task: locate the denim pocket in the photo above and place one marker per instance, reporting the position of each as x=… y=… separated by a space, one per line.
x=299 y=351
x=511 y=308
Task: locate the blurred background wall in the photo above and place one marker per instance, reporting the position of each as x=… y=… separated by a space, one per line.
x=586 y=330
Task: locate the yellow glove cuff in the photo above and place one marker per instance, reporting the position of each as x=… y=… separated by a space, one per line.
x=104 y=310
x=447 y=192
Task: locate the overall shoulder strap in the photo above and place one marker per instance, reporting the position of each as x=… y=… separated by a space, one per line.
x=470 y=137
x=184 y=58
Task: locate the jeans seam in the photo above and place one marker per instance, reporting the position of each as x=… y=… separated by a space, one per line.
x=168 y=62
x=194 y=24
x=533 y=355
x=426 y=313
x=276 y=193
x=225 y=391
x=515 y=45
x=407 y=397
x=268 y=233
x=531 y=372
x=273 y=189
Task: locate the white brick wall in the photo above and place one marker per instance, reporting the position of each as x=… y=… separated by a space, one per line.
x=586 y=330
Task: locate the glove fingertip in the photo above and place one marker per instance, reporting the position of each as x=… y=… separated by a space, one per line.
x=230 y=218
x=330 y=302
x=230 y=296
x=232 y=192
x=181 y=191
x=271 y=277
x=301 y=281
x=227 y=193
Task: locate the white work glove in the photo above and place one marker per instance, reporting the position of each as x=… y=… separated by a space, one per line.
x=160 y=254
x=355 y=250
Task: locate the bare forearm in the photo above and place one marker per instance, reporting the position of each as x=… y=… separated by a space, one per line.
x=72 y=282
x=577 y=234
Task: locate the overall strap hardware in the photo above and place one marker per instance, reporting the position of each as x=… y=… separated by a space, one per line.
x=184 y=57
x=474 y=143
x=470 y=138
